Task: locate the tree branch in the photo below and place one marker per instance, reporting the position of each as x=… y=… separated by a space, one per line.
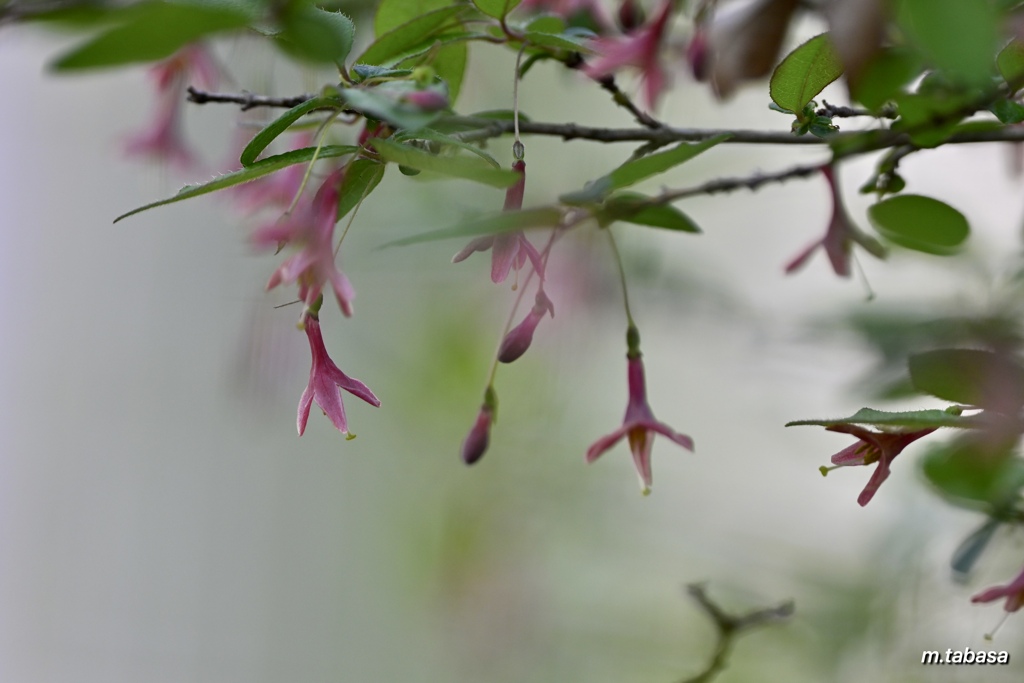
x=248 y=100
x=720 y=185
x=481 y=129
x=728 y=627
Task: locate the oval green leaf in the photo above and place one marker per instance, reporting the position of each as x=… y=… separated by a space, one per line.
x=920 y=223
x=404 y=37
x=498 y=9
x=804 y=73
x=970 y=376
x=153 y=31
x=316 y=35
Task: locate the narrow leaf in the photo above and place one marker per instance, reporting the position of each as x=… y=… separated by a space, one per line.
x=804 y=73
x=920 y=223
x=248 y=173
x=281 y=124
x=505 y=221
x=913 y=419
x=636 y=208
x=636 y=170
x=361 y=178
x=455 y=167
x=434 y=136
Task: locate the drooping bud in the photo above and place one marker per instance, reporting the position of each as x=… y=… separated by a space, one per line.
x=630 y=15
x=427 y=100
x=475 y=445
x=518 y=340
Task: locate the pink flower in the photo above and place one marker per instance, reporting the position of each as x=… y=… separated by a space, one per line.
x=872 y=447
x=1013 y=592
x=639 y=425
x=518 y=340
x=311 y=227
x=163 y=138
x=326 y=382
x=638 y=49
x=509 y=248
x=839 y=237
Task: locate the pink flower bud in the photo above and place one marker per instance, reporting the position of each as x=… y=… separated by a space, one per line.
x=475 y=445
x=427 y=100
x=518 y=340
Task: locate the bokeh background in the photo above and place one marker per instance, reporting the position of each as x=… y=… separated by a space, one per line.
x=161 y=521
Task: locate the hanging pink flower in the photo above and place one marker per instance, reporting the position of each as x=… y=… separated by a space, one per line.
x=509 y=249
x=1013 y=592
x=326 y=382
x=479 y=436
x=162 y=139
x=311 y=228
x=639 y=49
x=873 y=447
x=840 y=236
x=639 y=426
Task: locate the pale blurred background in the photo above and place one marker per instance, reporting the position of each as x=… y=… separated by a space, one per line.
x=161 y=521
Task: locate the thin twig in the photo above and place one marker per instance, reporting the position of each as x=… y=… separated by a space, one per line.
x=248 y=100
x=481 y=129
x=728 y=627
x=842 y=112
x=720 y=185
x=622 y=99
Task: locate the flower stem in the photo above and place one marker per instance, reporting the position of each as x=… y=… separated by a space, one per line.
x=622 y=278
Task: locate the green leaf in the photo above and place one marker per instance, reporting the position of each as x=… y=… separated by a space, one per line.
x=249 y=173
x=399 y=40
x=562 y=41
x=970 y=549
x=970 y=376
x=393 y=13
x=804 y=73
x=912 y=419
x=316 y=35
x=1007 y=111
x=154 y=31
x=375 y=103
x=434 y=136
x=885 y=76
x=361 y=178
x=281 y=124
x=970 y=474
x=546 y=23
x=631 y=207
x=1011 y=63
x=956 y=36
x=505 y=221
x=455 y=167
x=634 y=171
x=498 y=9
x=450 y=64
x=920 y=223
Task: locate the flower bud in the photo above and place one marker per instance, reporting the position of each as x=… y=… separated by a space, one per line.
x=518 y=340
x=475 y=445
x=630 y=15
x=427 y=100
